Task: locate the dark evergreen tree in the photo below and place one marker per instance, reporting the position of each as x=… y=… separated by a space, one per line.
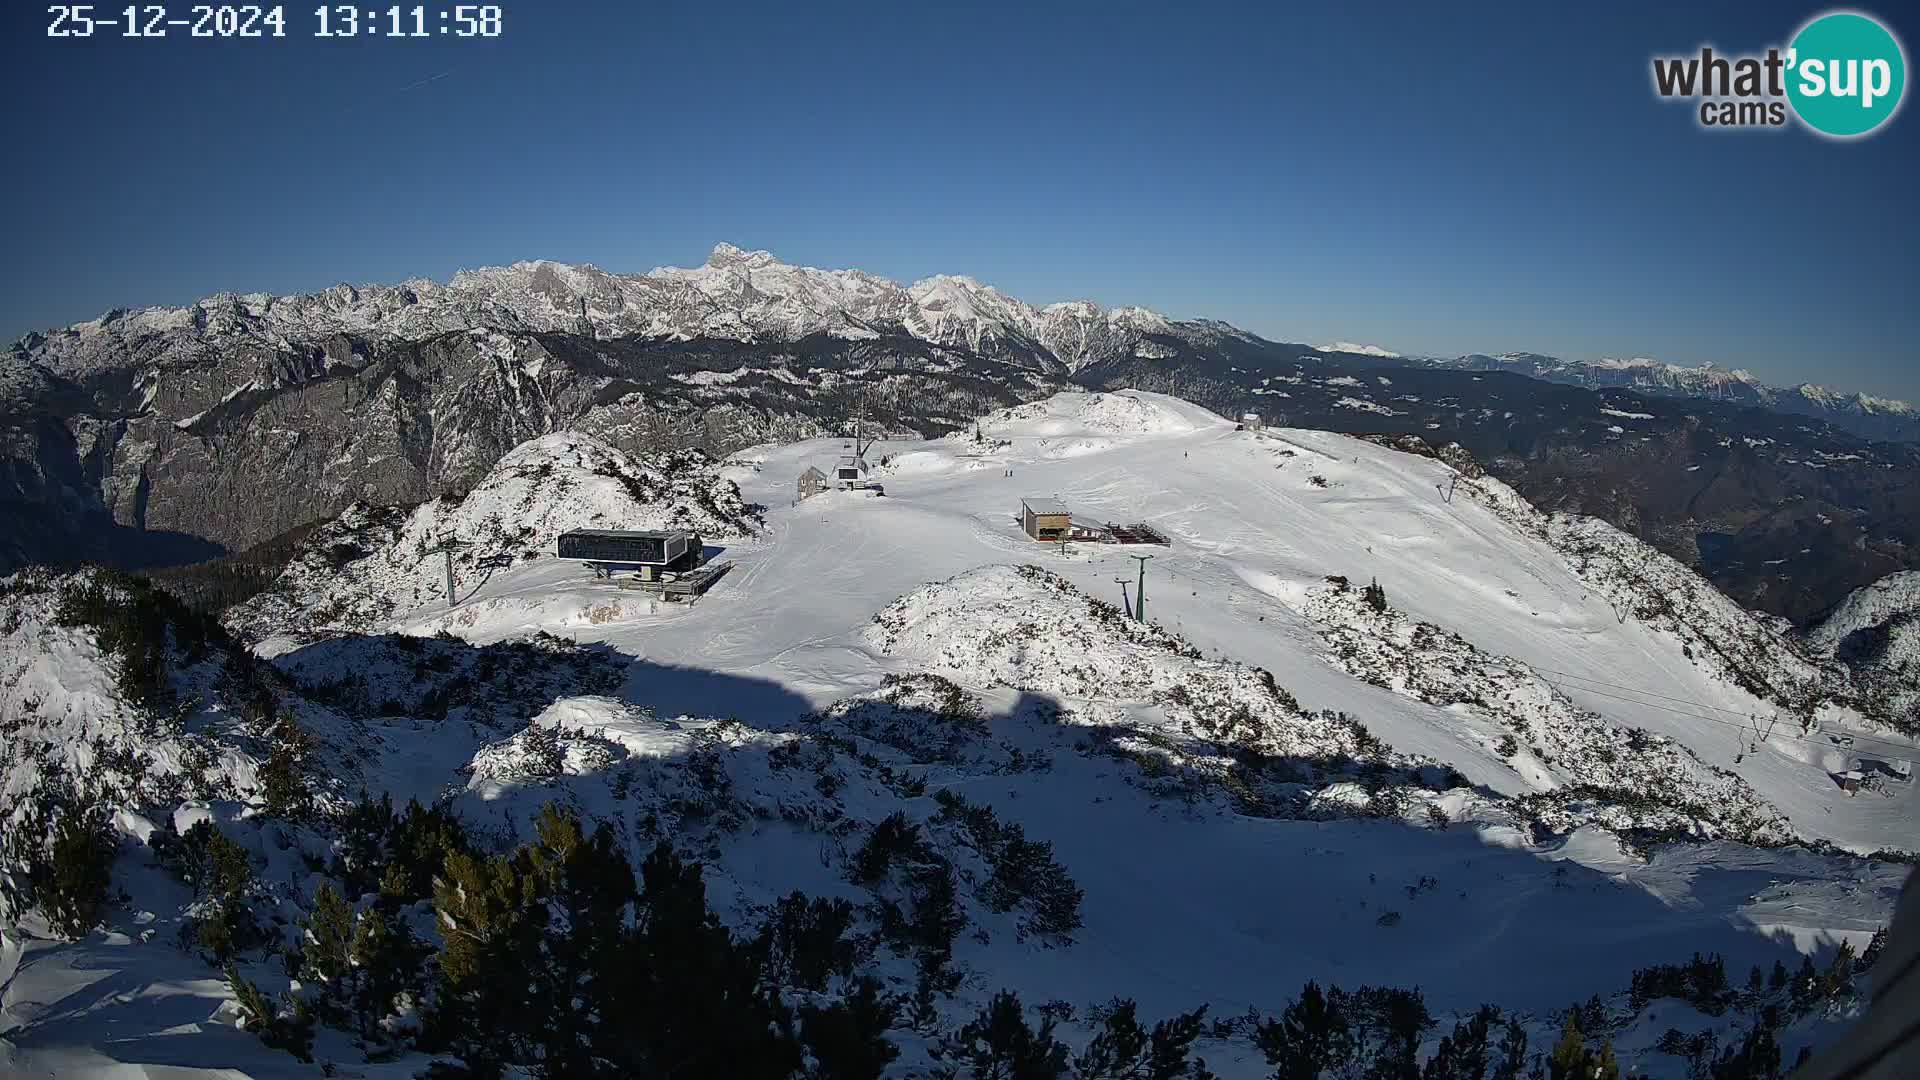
x=998 y=1044
x=1388 y=1024
x=1467 y=1052
x=1375 y=596
x=1875 y=946
x=70 y=881
x=283 y=779
x=709 y=1013
x=895 y=838
x=388 y=961
x=1510 y=1057
x=937 y=918
x=582 y=890
x=1605 y=1065
x=1806 y=985
x=805 y=941
x=325 y=957
x=222 y=871
x=421 y=841
x=848 y=1041
x=1838 y=978
x=551 y=953
x=328 y=953
x=1570 y=1058
x=1756 y=1057
x=287 y=1026
x=546 y=756
x=1311 y=1037
x=1125 y=1050
x=482 y=1003
x=360 y=847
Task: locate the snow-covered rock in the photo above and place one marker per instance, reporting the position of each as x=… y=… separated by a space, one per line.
x=1644 y=584
x=1875 y=632
x=370 y=562
x=1358 y=350
x=1026 y=628
x=113 y=687
x=1067 y=415
x=1630 y=780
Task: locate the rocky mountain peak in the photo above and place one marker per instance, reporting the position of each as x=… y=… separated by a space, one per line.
x=726 y=256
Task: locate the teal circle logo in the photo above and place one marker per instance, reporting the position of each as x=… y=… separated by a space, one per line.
x=1846 y=74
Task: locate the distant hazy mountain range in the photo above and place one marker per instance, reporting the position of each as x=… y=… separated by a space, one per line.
x=1863 y=414
x=167 y=434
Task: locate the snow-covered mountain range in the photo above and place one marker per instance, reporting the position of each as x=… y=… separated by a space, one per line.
x=1861 y=413
x=751 y=296
x=737 y=295
x=1385 y=719
x=164 y=436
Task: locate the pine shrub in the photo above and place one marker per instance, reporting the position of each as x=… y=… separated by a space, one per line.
x=71 y=880
x=1124 y=1049
x=287 y=1026
x=998 y=1044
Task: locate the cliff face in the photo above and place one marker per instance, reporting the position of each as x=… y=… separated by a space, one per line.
x=237 y=446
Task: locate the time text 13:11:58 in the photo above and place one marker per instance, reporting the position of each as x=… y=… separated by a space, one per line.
x=257 y=21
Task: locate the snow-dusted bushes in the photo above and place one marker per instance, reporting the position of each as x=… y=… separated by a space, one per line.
x=371 y=562
x=1625 y=779
x=924 y=716
x=120 y=705
x=1646 y=585
x=1027 y=628
x=1024 y=873
x=221 y=873
x=443 y=679
x=63 y=853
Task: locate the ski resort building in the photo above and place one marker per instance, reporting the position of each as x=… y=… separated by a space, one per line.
x=1251 y=421
x=850 y=470
x=1050 y=521
x=812 y=482
x=1086 y=529
x=668 y=564
x=651 y=553
x=1046 y=519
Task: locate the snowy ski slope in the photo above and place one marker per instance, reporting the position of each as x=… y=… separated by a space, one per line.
x=1254 y=533
x=1185 y=902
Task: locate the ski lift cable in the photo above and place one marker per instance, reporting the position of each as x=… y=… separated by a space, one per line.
x=1891 y=746
x=1638 y=690
x=1649 y=704
x=1752 y=720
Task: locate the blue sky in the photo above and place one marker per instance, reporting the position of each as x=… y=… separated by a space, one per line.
x=1401 y=174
